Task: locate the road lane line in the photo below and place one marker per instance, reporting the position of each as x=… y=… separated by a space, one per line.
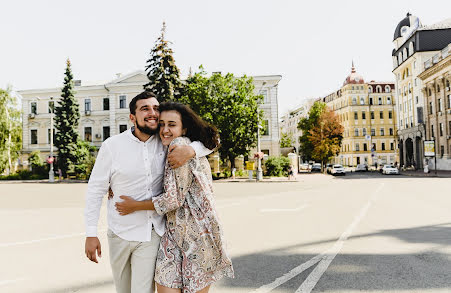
x=311 y=281
x=45 y=239
x=284 y=210
x=6 y=282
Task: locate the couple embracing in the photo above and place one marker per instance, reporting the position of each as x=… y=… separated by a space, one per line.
x=163 y=225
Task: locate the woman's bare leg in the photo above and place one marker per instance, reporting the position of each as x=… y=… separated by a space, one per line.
x=163 y=289
x=205 y=290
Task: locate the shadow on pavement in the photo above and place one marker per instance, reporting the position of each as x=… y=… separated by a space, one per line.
x=79 y=288
x=389 y=272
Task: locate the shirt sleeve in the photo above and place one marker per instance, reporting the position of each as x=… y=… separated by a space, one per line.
x=200 y=149
x=98 y=184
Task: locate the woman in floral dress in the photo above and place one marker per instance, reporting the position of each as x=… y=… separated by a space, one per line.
x=192 y=255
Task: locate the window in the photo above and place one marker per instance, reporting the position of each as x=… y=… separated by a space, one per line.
x=390 y=115
x=33 y=108
x=265 y=130
x=362 y=101
x=430 y=108
x=365 y=147
x=264 y=93
x=122 y=102
x=387 y=89
x=356 y=132
x=106 y=132
x=87 y=104
x=389 y=100
x=440 y=106
x=438 y=89
x=441 y=129
x=106 y=104
x=122 y=128
x=51 y=106
x=380 y=100
x=372 y=114
x=354 y=100
x=392 y=146
x=416 y=100
x=371 y=100
x=373 y=132
x=383 y=146
x=449 y=101
x=356 y=116
x=432 y=131
x=363 y=115
x=48 y=135
x=442 y=150
x=34 y=136
x=381 y=114
x=429 y=92
x=382 y=131
x=88 y=133
x=390 y=131
x=374 y=147
x=357 y=147
x=370 y=89
x=364 y=131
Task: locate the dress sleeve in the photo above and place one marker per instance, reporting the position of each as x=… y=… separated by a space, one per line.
x=176 y=185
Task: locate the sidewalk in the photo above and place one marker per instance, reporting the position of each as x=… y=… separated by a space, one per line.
x=270 y=179
x=420 y=173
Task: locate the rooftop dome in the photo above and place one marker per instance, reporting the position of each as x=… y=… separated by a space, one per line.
x=406 y=24
x=354 y=77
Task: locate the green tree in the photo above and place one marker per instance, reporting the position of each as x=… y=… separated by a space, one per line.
x=67 y=116
x=10 y=130
x=277 y=166
x=286 y=140
x=163 y=74
x=326 y=137
x=84 y=159
x=305 y=125
x=230 y=104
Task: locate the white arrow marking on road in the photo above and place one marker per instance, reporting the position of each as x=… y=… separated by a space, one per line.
x=284 y=210
x=324 y=259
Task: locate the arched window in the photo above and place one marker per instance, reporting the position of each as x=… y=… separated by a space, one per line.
x=378 y=89
x=370 y=89
x=410 y=49
x=362 y=101
x=404 y=54
x=354 y=100
x=400 y=57
x=410 y=88
x=387 y=89
x=438 y=88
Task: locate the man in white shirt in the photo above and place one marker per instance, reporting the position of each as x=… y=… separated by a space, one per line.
x=132 y=163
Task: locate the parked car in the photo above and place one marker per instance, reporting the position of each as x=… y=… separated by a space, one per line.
x=389 y=169
x=337 y=170
x=361 y=168
x=304 y=167
x=316 y=167
x=328 y=168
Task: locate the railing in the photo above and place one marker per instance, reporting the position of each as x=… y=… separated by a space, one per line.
x=437 y=57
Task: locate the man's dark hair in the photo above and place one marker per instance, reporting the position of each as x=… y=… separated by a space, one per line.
x=142 y=96
x=196 y=127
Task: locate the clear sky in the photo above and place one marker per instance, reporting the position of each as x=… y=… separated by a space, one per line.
x=310 y=43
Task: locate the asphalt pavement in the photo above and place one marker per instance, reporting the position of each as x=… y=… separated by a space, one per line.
x=356 y=233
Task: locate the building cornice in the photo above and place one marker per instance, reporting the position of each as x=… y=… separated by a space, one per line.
x=436 y=68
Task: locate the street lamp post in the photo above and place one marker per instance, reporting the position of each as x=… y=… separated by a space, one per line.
x=51 y=173
x=259 y=163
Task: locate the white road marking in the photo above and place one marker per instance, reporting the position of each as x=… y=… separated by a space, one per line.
x=324 y=259
x=311 y=281
x=284 y=210
x=45 y=239
x=6 y=282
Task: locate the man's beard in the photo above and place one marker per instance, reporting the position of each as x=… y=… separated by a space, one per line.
x=146 y=129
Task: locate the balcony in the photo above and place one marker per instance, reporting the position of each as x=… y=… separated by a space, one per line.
x=437 y=57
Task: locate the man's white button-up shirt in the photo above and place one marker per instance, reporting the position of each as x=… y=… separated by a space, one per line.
x=134 y=168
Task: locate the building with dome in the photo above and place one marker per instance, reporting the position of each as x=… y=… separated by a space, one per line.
x=414 y=44
x=367 y=113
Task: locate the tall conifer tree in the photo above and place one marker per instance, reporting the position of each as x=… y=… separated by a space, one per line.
x=163 y=74
x=67 y=116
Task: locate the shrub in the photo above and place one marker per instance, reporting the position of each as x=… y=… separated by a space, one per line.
x=277 y=166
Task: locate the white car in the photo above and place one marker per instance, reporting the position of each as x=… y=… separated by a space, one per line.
x=389 y=169
x=337 y=170
x=361 y=168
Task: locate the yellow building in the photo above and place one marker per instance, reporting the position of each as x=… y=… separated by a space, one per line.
x=366 y=111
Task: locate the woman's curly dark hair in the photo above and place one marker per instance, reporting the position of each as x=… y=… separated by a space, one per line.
x=196 y=127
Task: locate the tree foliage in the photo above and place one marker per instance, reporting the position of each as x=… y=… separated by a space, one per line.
x=277 y=166
x=305 y=125
x=67 y=117
x=10 y=130
x=286 y=140
x=229 y=103
x=163 y=74
x=326 y=136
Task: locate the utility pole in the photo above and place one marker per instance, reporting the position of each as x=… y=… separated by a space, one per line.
x=51 y=173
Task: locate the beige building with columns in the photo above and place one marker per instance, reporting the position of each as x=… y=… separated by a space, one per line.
x=437 y=92
x=366 y=111
x=104 y=111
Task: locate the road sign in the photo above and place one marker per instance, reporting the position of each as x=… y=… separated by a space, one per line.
x=429 y=148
